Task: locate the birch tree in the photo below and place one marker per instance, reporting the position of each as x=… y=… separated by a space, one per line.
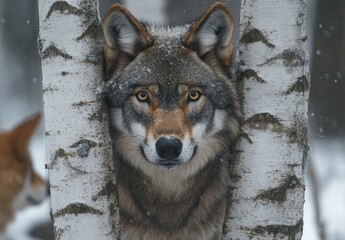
x=80 y=164
x=267 y=186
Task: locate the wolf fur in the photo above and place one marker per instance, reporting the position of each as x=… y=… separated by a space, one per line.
x=174 y=115
x=20 y=186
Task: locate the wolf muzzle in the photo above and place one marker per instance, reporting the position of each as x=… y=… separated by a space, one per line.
x=169 y=149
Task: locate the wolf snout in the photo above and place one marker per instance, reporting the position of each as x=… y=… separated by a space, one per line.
x=168 y=148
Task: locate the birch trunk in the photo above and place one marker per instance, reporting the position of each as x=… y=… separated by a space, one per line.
x=267 y=185
x=80 y=165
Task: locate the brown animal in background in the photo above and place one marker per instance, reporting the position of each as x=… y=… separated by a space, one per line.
x=20 y=186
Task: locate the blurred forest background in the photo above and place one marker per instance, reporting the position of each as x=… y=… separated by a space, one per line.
x=21 y=95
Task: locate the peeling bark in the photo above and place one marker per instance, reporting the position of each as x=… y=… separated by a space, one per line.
x=267 y=171
x=81 y=170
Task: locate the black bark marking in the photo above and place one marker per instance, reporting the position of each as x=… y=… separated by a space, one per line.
x=95 y=58
x=248 y=73
x=64 y=73
x=108 y=190
x=301 y=85
x=290 y=57
x=49 y=88
x=263 y=121
x=234 y=161
x=82 y=103
x=77 y=170
x=293 y=58
x=89 y=10
x=39 y=45
x=53 y=51
x=305 y=38
x=96 y=116
x=58 y=232
x=93 y=31
x=293 y=165
x=61 y=153
x=300 y=20
x=245 y=136
x=305 y=155
x=278 y=194
x=76 y=209
x=229 y=197
x=113 y=209
x=275 y=229
x=298 y=133
x=255 y=35
x=83 y=147
x=64 y=8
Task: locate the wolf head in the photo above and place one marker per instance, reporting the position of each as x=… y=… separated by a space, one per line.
x=20 y=186
x=170 y=90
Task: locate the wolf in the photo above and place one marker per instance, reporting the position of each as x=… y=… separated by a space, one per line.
x=174 y=115
x=20 y=185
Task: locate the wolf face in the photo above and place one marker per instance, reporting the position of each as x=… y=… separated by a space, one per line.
x=174 y=115
x=169 y=92
x=20 y=186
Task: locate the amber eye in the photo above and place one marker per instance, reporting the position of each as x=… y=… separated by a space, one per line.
x=193 y=96
x=142 y=96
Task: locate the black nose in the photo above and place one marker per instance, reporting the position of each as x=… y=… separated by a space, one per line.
x=168 y=147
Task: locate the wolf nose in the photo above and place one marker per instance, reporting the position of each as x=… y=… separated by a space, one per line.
x=168 y=147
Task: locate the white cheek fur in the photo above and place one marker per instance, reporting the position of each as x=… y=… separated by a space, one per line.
x=138 y=130
x=198 y=131
x=187 y=149
x=117 y=119
x=150 y=149
x=218 y=121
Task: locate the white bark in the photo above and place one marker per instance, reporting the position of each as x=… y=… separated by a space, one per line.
x=80 y=165
x=268 y=165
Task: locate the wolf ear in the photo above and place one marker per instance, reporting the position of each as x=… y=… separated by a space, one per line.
x=211 y=35
x=20 y=136
x=124 y=38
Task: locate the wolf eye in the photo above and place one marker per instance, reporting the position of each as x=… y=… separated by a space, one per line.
x=193 y=96
x=142 y=96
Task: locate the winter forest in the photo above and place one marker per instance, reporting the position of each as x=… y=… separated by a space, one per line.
x=21 y=95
